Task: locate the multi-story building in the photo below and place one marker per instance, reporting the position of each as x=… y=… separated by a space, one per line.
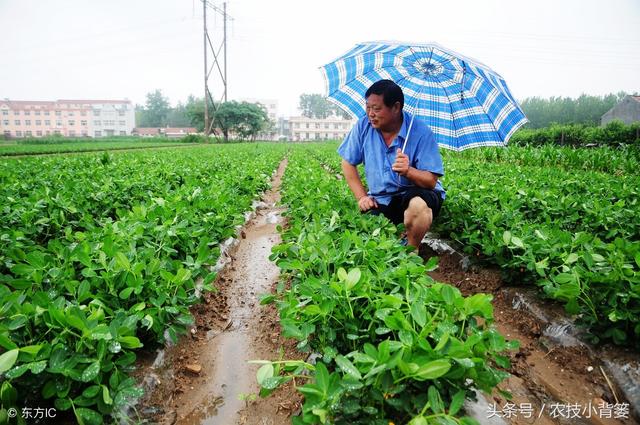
x=112 y=118
x=332 y=128
x=270 y=105
x=282 y=129
x=69 y=118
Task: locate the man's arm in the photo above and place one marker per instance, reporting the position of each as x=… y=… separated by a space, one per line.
x=352 y=177
x=421 y=178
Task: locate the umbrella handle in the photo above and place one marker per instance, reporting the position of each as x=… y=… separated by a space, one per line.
x=412 y=117
x=404 y=145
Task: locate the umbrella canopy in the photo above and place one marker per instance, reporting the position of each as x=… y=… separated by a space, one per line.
x=465 y=103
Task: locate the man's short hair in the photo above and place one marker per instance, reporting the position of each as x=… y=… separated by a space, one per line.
x=390 y=91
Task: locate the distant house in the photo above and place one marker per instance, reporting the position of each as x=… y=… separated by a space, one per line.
x=146 y=131
x=169 y=132
x=176 y=133
x=627 y=111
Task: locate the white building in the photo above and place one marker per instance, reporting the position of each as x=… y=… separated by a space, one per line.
x=68 y=118
x=332 y=128
x=112 y=118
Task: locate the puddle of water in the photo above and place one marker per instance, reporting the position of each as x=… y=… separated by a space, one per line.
x=273 y=217
x=220 y=397
x=562 y=334
x=209 y=407
x=159 y=360
x=557 y=329
x=229 y=382
x=520 y=301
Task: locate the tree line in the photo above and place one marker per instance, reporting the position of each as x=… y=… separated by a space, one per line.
x=247 y=120
x=242 y=120
x=157 y=111
x=586 y=110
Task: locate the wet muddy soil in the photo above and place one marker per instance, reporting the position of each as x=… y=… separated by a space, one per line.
x=207 y=377
x=555 y=379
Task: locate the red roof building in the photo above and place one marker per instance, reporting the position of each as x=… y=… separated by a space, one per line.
x=170 y=132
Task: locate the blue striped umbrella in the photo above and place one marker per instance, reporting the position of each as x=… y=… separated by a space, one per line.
x=464 y=102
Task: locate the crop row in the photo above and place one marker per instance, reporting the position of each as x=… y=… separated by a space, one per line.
x=59 y=145
x=390 y=343
x=615 y=133
x=614 y=161
x=545 y=220
x=100 y=254
x=575 y=201
x=575 y=234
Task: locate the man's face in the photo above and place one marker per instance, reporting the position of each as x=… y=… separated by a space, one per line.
x=379 y=114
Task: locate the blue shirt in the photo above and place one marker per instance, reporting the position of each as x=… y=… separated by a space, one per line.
x=365 y=144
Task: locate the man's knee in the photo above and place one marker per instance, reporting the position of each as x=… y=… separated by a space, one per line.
x=417 y=209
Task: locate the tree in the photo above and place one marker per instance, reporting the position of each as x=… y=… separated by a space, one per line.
x=314 y=106
x=585 y=109
x=155 y=112
x=245 y=120
x=156 y=109
x=317 y=106
x=177 y=117
x=141 y=116
x=194 y=109
x=339 y=112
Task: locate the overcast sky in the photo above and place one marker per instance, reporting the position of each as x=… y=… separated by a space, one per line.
x=112 y=49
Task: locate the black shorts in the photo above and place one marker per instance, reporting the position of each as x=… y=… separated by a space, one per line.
x=395 y=210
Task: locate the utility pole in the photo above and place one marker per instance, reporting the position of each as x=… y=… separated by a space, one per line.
x=222 y=72
x=206 y=76
x=224 y=37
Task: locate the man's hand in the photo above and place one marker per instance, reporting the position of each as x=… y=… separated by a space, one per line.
x=366 y=203
x=401 y=165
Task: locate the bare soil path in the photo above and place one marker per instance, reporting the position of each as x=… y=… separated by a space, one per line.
x=206 y=378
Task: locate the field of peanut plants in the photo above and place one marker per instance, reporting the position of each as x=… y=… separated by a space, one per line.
x=565 y=220
x=102 y=255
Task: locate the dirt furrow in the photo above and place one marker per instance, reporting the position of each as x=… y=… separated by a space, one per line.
x=554 y=379
x=206 y=378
